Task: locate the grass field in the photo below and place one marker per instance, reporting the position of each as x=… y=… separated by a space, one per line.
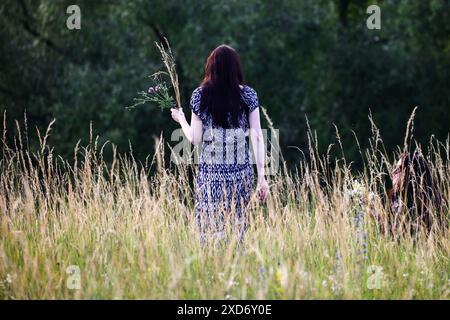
x=132 y=234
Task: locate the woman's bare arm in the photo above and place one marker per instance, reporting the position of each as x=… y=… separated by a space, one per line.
x=193 y=132
x=257 y=139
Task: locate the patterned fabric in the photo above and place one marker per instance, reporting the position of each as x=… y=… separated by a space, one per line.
x=225 y=176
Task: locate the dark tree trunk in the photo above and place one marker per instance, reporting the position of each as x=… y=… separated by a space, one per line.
x=343 y=12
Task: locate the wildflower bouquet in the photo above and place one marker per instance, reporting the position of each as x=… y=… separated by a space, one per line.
x=159 y=93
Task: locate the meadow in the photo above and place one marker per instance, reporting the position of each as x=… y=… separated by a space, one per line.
x=129 y=228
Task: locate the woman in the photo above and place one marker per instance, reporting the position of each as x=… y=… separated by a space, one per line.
x=415 y=197
x=223 y=109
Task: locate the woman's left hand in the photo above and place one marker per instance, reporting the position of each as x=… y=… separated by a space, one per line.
x=178 y=114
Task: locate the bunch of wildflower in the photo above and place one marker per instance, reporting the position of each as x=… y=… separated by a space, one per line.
x=359 y=194
x=158 y=94
x=360 y=198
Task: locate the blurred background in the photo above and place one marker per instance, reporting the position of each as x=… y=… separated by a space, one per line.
x=303 y=57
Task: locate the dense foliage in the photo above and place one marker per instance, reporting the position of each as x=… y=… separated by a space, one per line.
x=312 y=57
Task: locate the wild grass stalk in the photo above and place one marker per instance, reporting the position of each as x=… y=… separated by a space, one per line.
x=133 y=234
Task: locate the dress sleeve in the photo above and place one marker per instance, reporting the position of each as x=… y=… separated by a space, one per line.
x=251 y=98
x=195 y=101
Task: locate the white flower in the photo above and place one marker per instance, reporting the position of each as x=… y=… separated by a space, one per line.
x=232 y=283
x=357 y=188
x=357 y=191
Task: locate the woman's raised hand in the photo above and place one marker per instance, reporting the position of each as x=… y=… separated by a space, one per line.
x=177 y=114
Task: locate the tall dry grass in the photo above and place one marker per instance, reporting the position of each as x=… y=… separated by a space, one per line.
x=133 y=234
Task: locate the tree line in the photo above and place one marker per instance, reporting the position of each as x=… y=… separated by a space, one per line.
x=311 y=59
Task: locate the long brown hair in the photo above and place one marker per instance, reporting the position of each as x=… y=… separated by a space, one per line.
x=414 y=184
x=221 y=92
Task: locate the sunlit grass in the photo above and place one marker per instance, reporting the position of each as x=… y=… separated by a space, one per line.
x=134 y=235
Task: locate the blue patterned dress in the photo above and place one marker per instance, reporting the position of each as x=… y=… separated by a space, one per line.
x=225 y=175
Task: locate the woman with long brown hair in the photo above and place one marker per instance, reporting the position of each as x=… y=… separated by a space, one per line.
x=415 y=197
x=224 y=110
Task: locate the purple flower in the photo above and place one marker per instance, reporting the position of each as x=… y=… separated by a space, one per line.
x=151 y=90
x=361 y=234
x=157 y=88
x=262 y=271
